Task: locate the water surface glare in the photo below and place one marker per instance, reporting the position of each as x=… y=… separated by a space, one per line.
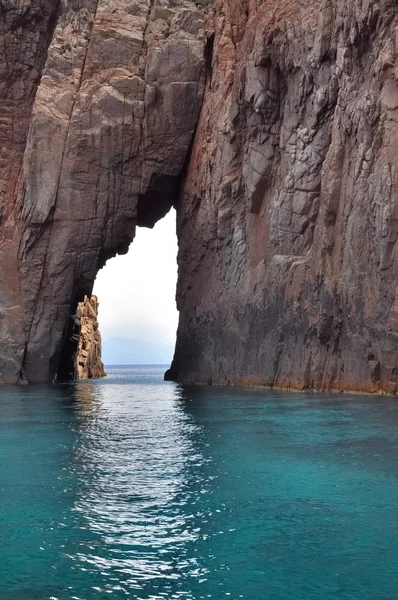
x=131 y=487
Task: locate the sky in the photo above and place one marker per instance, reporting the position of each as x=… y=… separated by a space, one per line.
x=136 y=293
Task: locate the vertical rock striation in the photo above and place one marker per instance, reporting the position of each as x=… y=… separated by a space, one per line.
x=288 y=221
x=89 y=363
x=112 y=123
x=26 y=30
x=286 y=201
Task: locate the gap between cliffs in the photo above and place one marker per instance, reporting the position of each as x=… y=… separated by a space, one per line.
x=161 y=196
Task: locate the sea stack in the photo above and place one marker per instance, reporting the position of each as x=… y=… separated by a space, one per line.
x=89 y=363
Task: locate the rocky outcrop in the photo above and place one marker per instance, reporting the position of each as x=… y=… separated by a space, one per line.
x=286 y=201
x=26 y=29
x=288 y=221
x=89 y=363
x=112 y=123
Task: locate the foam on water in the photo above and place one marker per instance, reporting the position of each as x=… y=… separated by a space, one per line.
x=131 y=487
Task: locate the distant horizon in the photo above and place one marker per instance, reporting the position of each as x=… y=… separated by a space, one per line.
x=138 y=316
x=138 y=365
x=136 y=351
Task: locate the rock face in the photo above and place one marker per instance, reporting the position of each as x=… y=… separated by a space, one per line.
x=288 y=220
x=287 y=200
x=26 y=29
x=89 y=363
x=109 y=135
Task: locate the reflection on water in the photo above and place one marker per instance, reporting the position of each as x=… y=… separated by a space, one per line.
x=131 y=487
x=138 y=468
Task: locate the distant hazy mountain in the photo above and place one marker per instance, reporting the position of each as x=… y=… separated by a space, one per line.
x=126 y=351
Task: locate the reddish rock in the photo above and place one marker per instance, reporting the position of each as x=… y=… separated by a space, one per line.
x=287 y=216
x=26 y=29
x=287 y=223
x=89 y=363
x=112 y=124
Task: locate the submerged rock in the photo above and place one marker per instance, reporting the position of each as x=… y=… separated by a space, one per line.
x=89 y=363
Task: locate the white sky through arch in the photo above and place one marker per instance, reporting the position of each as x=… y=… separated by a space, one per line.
x=136 y=292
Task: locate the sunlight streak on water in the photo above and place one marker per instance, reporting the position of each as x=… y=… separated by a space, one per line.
x=131 y=487
x=134 y=484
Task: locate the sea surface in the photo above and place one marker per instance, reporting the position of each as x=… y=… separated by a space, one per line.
x=135 y=488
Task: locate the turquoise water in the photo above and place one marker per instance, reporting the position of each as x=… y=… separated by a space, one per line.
x=130 y=487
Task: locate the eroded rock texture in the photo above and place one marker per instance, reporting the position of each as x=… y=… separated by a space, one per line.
x=89 y=363
x=26 y=29
x=288 y=222
x=112 y=124
x=288 y=213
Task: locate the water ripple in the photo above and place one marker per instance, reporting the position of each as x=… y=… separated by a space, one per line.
x=138 y=469
x=131 y=487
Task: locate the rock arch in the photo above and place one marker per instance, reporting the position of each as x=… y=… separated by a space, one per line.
x=279 y=150
x=110 y=132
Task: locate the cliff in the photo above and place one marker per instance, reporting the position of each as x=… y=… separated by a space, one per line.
x=288 y=219
x=100 y=146
x=89 y=363
x=271 y=126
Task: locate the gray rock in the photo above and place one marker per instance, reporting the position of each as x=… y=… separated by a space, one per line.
x=103 y=151
x=287 y=202
x=305 y=294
